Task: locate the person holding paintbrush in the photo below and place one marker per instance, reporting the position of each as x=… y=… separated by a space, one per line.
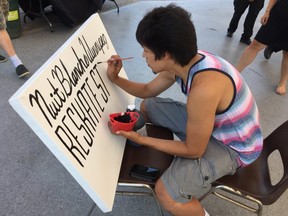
x=218 y=127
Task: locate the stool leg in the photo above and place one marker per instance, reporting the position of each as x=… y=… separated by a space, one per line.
x=44 y=15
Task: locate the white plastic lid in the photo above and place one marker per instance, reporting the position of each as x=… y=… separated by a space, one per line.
x=131 y=107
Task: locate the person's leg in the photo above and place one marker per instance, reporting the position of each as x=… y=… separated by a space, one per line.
x=254 y=9
x=143 y=110
x=239 y=8
x=281 y=88
x=249 y=54
x=147 y=106
x=3 y=13
x=189 y=208
x=167 y=113
x=186 y=180
x=6 y=43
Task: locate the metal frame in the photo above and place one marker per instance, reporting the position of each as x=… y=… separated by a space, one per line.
x=237 y=193
x=140 y=193
x=150 y=192
x=39 y=14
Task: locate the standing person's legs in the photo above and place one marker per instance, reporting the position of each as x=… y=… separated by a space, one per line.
x=281 y=88
x=266 y=35
x=239 y=8
x=2 y=26
x=6 y=43
x=249 y=54
x=254 y=9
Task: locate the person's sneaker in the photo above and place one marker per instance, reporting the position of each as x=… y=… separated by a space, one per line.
x=22 y=71
x=229 y=34
x=2 y=59
x=268 y=52
x=245 y=41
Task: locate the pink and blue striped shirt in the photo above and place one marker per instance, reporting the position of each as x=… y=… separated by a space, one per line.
x=238 y=126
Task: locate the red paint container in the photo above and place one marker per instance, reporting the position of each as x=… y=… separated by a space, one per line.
x=117 y=123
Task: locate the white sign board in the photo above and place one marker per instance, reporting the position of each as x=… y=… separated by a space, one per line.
x=67 y=103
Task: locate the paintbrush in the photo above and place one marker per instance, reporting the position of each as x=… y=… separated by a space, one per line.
x=121 y=59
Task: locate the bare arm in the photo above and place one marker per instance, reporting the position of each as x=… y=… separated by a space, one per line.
x=142 y=90
x=207 y=96
x=265 y=17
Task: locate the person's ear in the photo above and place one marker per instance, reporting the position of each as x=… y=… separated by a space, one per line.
x=166 y=56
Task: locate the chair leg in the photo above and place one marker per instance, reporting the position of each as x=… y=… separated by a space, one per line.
x=91 y=209
x=131 y=193
x=257 y=211
x=116 y=5
x=137 y=185
x=45 y=17
x=38 y=14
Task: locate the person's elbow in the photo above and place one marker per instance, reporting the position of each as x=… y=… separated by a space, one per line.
x=195 y=153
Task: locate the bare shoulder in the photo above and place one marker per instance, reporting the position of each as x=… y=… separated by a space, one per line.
x=211 y=79
x=213 y=86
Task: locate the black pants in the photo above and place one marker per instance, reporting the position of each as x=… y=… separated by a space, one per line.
x=240 y=7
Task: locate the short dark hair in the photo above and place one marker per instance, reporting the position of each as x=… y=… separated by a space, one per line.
x=168 y=29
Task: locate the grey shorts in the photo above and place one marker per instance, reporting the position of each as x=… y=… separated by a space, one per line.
x=187 y=178
x=4 y=11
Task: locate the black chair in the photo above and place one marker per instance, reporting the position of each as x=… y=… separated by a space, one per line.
x=253 y=183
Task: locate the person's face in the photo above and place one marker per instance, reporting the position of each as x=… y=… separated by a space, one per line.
x=155 y=65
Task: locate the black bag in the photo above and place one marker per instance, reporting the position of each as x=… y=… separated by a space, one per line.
x=34 y=7
x=72 y=13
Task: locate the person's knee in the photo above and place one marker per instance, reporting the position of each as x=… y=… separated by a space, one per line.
x=164 y=198
x=191 y=207
x=143 y=111
x=256 y=45
x=285 y=54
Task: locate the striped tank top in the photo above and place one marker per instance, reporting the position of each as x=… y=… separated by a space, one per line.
x=238 y=127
